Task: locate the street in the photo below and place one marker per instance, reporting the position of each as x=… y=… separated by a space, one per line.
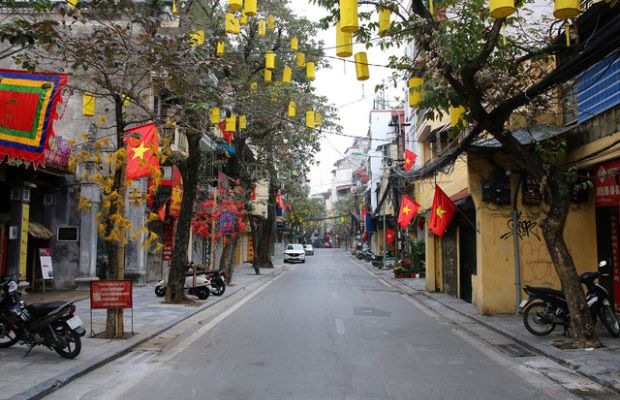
x=327 y=329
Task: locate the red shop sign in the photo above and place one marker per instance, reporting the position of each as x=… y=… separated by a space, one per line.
x=606 y=184
x=111 y=294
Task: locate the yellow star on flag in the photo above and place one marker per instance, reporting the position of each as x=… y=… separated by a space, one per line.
x=406 y=210
x=138 y=152
x=407 y=160
x=440 y=212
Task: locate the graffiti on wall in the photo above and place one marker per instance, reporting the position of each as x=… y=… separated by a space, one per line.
x=526 y=228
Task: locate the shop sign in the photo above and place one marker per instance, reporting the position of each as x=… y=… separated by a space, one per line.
x=615 y=256
x=45 y=255
x=606 y=184
x=111 y=294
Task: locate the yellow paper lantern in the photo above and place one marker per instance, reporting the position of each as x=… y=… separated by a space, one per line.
x=384 y=21
x=220 y=49
x=72 y=3
x=262 y=28
x=287 y=73
x=456 y=115
x=502 y=8
x=348 y=16
x=88 y=105
x=198 y=38
x=231 y=123
x=318 y=119
x=414 y=98
x=232 y=24
x=310 y=70
x=344 y=42
x=267 y=76
x=292 y=109
x=310 y=119
x=270 y=60
x=250 y=8
x=415 y=82
x=566 y=9
x=243 y=20
x=361 y=66
x=294 y=43
x=234 y=5
x=301 y=59
x=243 y=122
x=271 y=22
x=215 y=116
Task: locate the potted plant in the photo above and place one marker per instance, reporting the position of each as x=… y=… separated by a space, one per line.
x=398 y=271
x=418 y=256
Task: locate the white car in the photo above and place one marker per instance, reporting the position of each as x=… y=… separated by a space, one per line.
x=309 y=249
x=295 y=253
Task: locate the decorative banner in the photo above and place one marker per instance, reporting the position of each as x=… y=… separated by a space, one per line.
x=27 y=112
x=142 y=149
x=279 y=201
x=442 y=212
x=23 y=246
x=59 y=154
x=227 y=222
x=177 y=192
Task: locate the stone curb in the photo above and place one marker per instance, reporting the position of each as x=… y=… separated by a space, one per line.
x=46 y=387
x=551 y=353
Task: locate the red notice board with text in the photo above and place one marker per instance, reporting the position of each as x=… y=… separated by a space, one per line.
x=111 y=294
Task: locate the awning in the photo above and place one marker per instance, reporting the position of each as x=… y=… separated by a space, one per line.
x=38 y=231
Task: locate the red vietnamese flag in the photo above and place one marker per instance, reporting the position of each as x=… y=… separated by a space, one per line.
x=389 y=236
x=442 y=212
x=142 y=149
x=410 y=157
x=228 y=136
x=408 y=209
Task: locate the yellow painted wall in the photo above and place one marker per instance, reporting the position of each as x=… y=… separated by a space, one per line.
x=494 y=289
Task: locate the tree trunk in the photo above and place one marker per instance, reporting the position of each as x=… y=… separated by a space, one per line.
x=227 y=262
x=582 y=325
x=254 y=226
x=189 y=172
x=116 y=251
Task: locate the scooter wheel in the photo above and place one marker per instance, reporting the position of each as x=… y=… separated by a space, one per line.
x=219 y=289
x=534 y=321
x=610 y=320
x=202 y=293
x=160 y=291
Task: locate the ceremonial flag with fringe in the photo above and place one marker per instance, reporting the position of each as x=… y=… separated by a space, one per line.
x=27 y=112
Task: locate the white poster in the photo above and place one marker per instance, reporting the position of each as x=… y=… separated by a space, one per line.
x=47 y=272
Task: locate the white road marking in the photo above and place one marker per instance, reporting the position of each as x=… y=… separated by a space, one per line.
x=340 y=327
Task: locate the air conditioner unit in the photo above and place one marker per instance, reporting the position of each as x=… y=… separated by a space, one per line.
x=48 y=200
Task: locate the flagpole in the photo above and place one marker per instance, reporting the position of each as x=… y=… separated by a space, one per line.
x=467 y=219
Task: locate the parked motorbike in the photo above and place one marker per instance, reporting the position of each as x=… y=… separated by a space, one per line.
x=53 y=325
x=196 y=285
x=376 y=260
x=217 y=286
x=545 y=307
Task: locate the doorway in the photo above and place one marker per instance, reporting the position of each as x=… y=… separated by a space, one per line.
x=467 y=250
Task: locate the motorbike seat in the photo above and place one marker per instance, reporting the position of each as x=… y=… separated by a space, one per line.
x=545 y=291
x=41 y=309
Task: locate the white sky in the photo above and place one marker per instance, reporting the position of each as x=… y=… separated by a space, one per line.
x=341 y=87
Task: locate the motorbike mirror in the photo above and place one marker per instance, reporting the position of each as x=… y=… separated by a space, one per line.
x=602 y=264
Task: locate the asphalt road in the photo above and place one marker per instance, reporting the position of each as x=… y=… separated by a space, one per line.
x=326 y=329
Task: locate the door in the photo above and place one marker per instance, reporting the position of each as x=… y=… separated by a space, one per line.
x=449 y=261
x=467 y=253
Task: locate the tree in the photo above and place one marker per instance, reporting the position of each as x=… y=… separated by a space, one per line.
x=273 y=142
x=465 y=61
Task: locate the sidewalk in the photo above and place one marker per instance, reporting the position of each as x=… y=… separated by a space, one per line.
x=600 y=365
x=42 y=370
